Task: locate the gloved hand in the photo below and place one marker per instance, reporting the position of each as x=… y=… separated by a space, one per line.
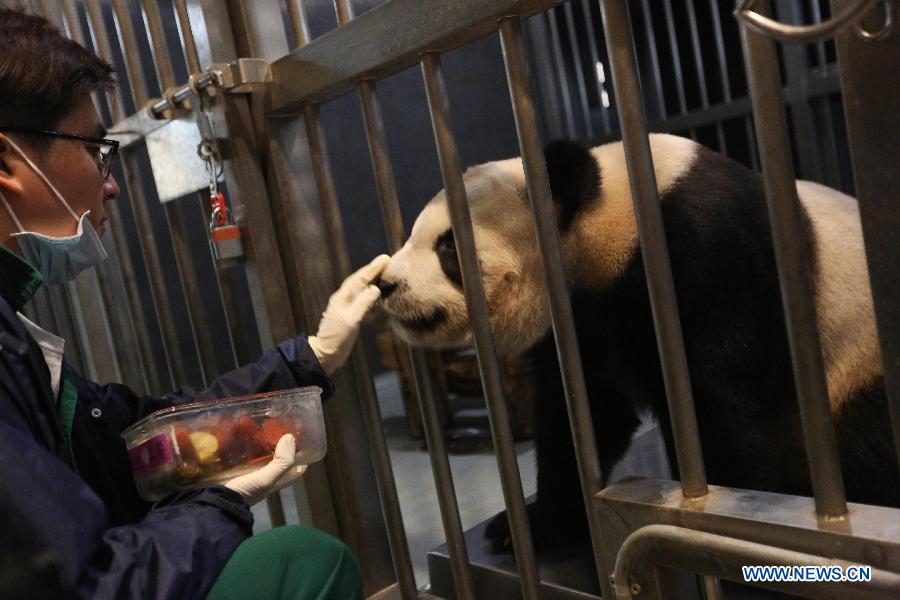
x=346 y=308
x=279 y=473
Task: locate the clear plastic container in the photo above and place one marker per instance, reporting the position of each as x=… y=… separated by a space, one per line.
x=204 y=443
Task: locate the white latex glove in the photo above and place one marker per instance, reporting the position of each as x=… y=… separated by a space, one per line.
x=277 y=474
x=346 y=308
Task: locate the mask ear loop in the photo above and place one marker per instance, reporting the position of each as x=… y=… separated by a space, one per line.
x=11 y=214
x=45 y=180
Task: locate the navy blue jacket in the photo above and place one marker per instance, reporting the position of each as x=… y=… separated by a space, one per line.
x=85 y=532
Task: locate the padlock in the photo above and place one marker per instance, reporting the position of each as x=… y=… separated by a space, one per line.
x=226 y=242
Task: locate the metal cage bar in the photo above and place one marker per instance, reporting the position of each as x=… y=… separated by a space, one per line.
x=384 y=473
x=650 y=35
x=562 y=77
x=393 y=226
x=476 y=304
x=873 y=128
x=792 y=259
x=595 y=62
x=128 y=44
x=538 y=188
x=577 y=68
x=653 y=247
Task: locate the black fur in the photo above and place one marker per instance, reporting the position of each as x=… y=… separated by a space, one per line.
x=574 y=178
x=445 y=248
x=738 y=357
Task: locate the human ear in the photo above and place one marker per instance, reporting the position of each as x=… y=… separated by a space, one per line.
x=9 y=163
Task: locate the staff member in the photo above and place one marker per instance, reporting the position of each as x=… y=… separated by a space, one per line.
x=71 y=521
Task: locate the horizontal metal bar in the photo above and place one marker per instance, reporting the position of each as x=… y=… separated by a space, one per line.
x=372 y=46
x=722 y=556
x=870 y=535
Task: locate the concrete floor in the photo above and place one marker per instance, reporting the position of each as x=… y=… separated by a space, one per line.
x=475 y=478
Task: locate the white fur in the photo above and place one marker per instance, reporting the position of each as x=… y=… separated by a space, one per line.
x=844 y=301
x=508 y=251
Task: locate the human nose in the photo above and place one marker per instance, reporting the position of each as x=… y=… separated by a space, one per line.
x=111 y=189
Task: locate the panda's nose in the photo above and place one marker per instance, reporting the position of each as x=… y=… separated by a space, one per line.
x=386 y=287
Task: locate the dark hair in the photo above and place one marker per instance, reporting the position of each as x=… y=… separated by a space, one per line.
x=43 y=74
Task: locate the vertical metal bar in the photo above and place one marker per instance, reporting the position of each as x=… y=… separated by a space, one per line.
x=153 y=22
x=619 y=43
x=791 y=254
x=51 y=12
x=461 y=222
x=796 y=71
x=751 y=143
x=344 y=11
x=551 y=259
x=187 y=276
x=73 y=21
x=369 y=402
x=124 y=318
x=393 y=221
x=298 y=22
x=676 y=56
x=820 y=46
x=701 y=70
x=650 y=34
x=129 y=46
x=563 y=78
x=873 y=128
x=595 y=62
x=720 y=50
x=576 y=66
x=153 y=264
x=187 y=37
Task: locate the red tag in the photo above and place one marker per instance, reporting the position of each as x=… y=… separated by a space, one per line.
x=219 y=209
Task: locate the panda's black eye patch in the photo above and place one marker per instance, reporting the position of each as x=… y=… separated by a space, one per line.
x=445 y=248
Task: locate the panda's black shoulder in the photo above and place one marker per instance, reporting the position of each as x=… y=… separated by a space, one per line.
x=574 y=177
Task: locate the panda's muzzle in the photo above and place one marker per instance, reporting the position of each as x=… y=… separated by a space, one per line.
x=424 y=323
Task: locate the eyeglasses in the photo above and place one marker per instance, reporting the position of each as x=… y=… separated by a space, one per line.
x=106 y=152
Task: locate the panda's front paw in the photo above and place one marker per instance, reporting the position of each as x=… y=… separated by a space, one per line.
x=548 y=529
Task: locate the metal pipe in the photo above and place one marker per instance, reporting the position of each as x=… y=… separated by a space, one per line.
x=793 y=261
x=153 y=265
x=104 y=49
x=799 y=33
x=698 y=551
x=873 y=127
x=73 y=21
x=576 y=67
x=595 y=61
x=344 y=11
x=650 y=35
x=562 y=75
x=619 y=43
x=676 y=56
x=551 y=259
x=187 y=37
x=701 y=71
x=198 y=321
x=298 y=22
x=381 y=462
x=161 y=60
x=473 y=287
x=51 y=12
x=128 y=44
x=393 y=226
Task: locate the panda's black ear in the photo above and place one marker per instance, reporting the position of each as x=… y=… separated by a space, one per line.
x=574 y=177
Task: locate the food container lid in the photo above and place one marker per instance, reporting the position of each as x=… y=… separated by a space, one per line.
x=181 y=410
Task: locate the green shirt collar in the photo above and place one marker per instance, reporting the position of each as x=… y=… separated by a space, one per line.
x=19 y=280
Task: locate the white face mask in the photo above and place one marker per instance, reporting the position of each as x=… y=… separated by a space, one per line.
x=58 y=259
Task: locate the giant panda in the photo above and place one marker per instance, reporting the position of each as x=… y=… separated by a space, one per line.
x=726 y=282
